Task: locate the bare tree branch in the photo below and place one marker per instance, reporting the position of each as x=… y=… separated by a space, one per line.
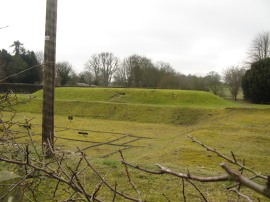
x=105 y=182
x=183 y=190
x=166 y=197
x=236 y=176
x=242 y=195
x=129 y=178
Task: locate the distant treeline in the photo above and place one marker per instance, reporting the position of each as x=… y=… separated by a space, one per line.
x=103 y=69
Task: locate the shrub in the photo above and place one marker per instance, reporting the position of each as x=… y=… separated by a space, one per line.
x=256 y=82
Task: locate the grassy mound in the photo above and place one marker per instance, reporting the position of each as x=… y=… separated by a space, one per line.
x=141 y=105
x=139 y=96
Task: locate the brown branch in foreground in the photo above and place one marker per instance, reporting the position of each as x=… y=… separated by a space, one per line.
x=164 y=170
x=114 y=193
x=105 y=182
x=97 y=188
x=236 y=176
x=129 y=178
x=50 y=174
x=189 y=176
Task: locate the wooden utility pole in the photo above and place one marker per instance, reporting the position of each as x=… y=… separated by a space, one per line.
x=49 y=77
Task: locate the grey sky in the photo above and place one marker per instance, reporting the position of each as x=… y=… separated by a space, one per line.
x=194 y=36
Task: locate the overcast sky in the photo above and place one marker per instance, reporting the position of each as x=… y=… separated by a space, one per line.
x=194 y=36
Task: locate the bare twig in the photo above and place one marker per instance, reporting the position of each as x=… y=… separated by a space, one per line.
x=56 y=188
x=105 y=182
x=194 y=185
x=163 y=170
x=183 y=190
x=30 y=137
x=166 y=197
x=242 y=195
x=235 y=161
x=114 y=192
x=97 y=188
x=129 y=178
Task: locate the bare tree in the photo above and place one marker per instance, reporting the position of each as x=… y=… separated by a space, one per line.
x=260 y=47
x=137 y=71
x=102 y=66
x=92 y=65
x=123 y=74
x=39 y=56
x=109 y=66
x=86 y=77
x=233 y=78
x=64 y=71
x=213 y=80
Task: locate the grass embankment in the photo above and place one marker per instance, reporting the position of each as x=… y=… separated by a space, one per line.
x=141 y=105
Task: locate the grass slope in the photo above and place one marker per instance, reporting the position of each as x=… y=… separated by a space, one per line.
x=139 y=96
x=141 y=105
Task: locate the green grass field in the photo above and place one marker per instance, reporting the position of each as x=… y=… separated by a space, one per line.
x=151 y=126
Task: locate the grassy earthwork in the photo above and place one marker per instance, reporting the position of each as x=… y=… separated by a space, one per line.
x=151 y=127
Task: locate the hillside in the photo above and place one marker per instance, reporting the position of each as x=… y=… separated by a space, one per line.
x=142 y=105
x=139 y=96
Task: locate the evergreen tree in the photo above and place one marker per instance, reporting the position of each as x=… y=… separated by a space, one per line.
x=256 y=82
x=18 y=47
x=5 y=58
x=16 y=65
x=22 y=67
x=33 y=75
